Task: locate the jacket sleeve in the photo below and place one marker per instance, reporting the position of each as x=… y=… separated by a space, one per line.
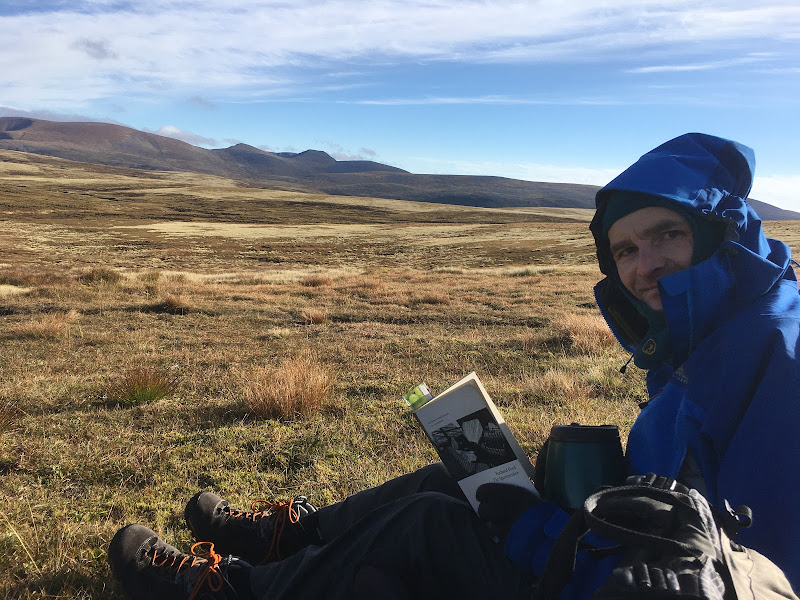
x=532 y=536
x=531 y=539
x=760 y=465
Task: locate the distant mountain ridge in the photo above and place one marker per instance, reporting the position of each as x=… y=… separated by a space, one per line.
x=311 y=171
x=115 y=145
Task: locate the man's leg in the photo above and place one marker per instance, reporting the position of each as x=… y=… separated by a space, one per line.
x=423 y=545
x=270 y=534
x=331 y=521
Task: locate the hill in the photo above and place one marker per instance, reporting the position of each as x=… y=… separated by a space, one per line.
x=309 y=171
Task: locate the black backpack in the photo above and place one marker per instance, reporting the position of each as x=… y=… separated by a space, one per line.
x=673 y=545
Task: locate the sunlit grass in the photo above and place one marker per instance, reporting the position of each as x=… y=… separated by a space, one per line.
x=141 y=385
x=298 y=385
x=48 y=326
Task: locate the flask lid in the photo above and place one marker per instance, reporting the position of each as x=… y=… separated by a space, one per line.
x=575 y=432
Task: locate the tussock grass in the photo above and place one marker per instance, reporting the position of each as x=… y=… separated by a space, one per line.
x=298 y=386
x=48 y=326
x=559 y=386
x=316 y=280
x=589 y=333
x=150 y=276
x=314 y=316
x=99 y=275
x=524 y=271
x=141 y=385
x=280 y=332
x=175 y=304
x=7 y=414
x=429 y=298
x=8 y=290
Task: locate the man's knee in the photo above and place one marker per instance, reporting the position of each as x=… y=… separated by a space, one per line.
x=438 y=510
x=436 y=478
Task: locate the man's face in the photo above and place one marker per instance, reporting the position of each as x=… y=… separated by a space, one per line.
x=649 y=244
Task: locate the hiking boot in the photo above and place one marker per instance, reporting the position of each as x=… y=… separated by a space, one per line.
x=150 y=569
x=267 y=532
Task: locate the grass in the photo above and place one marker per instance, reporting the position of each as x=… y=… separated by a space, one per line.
x=141 y=385
x=316 y=280
x=7 y=415
x=298 y=386
x=313 y=316
x=175 y=304
x=47 y=326
x=100 y=275
x=334 y=308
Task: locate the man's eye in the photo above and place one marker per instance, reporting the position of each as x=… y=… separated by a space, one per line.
x=623 y=252
x=674 y=234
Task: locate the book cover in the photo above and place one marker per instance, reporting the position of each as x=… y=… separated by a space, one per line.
x=471 y=436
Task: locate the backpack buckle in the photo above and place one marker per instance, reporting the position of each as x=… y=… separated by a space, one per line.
x=658 y=482
x=731 y=521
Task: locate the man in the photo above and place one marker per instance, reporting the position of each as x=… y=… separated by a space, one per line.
x=702 y=300
x=710 y=307
x=719 y=338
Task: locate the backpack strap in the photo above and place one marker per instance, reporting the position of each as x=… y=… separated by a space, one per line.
x=640 y=580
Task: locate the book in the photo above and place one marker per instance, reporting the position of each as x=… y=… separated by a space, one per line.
x=470 y=436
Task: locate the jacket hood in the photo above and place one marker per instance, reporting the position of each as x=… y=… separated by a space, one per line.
x=709 y=177
x=696 y=171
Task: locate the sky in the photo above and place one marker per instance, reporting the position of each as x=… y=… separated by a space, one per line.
x=550 y=90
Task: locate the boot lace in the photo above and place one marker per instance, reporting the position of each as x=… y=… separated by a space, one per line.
x=201 y=555
x=276 y=513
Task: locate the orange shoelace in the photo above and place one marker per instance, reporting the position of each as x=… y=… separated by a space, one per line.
x=209 y=572
x=280 y=511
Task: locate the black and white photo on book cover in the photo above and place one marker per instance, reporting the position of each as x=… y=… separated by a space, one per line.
x=472 y=444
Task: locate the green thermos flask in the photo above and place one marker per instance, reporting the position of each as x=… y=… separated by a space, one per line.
x=580 y=459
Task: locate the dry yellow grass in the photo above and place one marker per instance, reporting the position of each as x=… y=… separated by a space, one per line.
x=7 y=414
x=428 y=298
x=316 y=280
x=52 y=325
x=100 y=275
x=176 y=304
x=8 y=290
x=299 y=385
x=313 y=316
x=589 y=332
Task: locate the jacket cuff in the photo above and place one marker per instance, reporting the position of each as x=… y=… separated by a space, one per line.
x=532 y=536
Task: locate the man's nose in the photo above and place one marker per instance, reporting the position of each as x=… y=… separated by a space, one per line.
x=651 y=260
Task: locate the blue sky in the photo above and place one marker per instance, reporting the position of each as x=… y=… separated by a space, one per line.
x=551 y=90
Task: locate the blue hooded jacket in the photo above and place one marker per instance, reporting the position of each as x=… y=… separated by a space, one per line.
x=724 y=410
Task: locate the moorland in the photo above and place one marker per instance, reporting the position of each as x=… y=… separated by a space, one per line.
x=166 y=332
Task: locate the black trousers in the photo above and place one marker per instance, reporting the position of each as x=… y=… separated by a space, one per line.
x=413 y=537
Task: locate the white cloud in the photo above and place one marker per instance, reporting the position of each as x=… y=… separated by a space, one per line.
x=752 y=58
x=339 y=152
x=519 y=170
x=779 y=190
x=97 y=49
x=503 y=100
x=252 y=48
x=171 y=131
x=48 y=115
